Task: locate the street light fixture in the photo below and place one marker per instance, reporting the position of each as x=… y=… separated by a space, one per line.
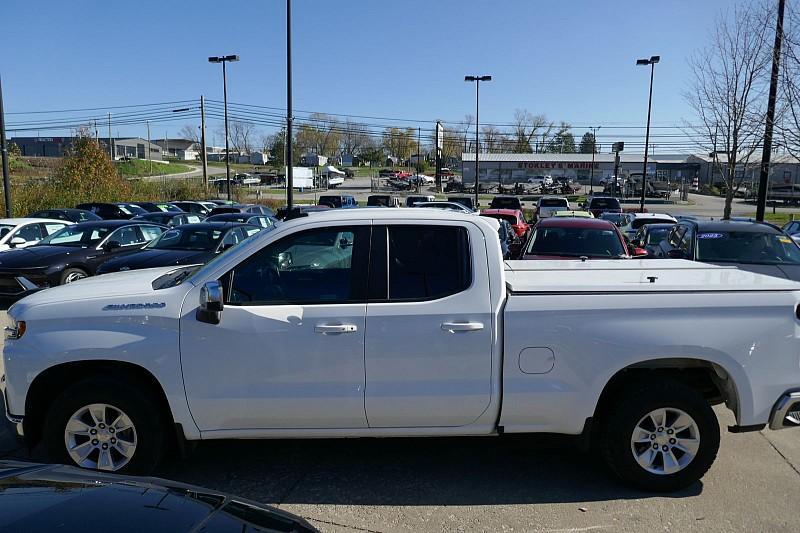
x=477 y=80
x=224 y=60
x=644 y=62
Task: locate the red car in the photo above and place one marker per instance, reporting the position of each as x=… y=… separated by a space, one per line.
x=513 y=217
x=593 y=238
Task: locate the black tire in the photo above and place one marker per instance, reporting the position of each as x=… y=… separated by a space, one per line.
x=70 y=272
x=635 y=402
x=142 y=410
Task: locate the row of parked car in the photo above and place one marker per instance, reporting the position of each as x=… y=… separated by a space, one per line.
x=58 y=246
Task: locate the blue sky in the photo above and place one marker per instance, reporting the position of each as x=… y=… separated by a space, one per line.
x=571 y=60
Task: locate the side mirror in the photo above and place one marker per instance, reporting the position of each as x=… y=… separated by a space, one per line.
x=16 y=241
x=111 y=246
x=210 y=310
x=676 y=254
x=285 y=261
x=639 y=252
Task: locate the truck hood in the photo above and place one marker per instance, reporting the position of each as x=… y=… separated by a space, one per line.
x=131 y=283
x=636 y=275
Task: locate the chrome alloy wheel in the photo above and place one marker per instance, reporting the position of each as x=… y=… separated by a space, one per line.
x=74 y=276
x=665 y=441
x=101 y=437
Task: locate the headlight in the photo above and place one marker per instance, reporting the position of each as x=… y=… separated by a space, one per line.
x=16 y=330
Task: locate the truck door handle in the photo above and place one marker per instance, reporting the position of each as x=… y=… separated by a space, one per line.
x=452 y=327
x=335 y=328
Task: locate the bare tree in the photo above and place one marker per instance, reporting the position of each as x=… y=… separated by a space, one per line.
x=190 y=133
x=526 y=128
x=788 y=126
x=728 y=88
x=492 y=139
x=243 y=135
x=353 y=137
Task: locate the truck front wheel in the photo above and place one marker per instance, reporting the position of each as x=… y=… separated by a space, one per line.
x=661 y=437
x=104 y=424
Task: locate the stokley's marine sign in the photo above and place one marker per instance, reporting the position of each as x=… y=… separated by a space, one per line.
x=130 y=307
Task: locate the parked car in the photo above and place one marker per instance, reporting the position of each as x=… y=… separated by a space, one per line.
x=414 y=199
x=466 y=201
x=597 y=205
x=338 y=201
x=650 y=236
x=753 y=246
x=424 y=330
x=447 y=206
x=22 y=232
x=38 y=497
x=388 y=173
x=792 y=229
x=157 y=207
x=242 y=208
x=300 y=210
x=559 y=238
x=245 y=218
x=383 y=200
x=193 y=207
x=171 y=218
x=548 y=205
x=118 y=211
x=190 y=244
x=71 y=254
x=72 y=215
x=505 y=202
x=515 y=217
x=637 y=220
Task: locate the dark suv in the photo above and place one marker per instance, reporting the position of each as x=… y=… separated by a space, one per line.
x=753 y=246
x=597 y=205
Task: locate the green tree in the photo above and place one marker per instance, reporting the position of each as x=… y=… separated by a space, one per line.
x=588 y=143
x=87 y=174
x=563 y=142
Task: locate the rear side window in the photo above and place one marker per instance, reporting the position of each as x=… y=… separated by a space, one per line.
x=427 y=262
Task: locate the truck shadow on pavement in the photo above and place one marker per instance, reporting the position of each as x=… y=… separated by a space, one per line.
x=422 y=471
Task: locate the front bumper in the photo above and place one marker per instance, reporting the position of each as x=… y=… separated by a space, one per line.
x=786 y=412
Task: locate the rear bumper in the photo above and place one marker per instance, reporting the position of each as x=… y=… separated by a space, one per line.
x=786 y=412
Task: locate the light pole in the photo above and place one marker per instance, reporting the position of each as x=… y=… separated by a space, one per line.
x=594 y=149
x=652 y=62
x=224 y=60
x=477 y=80
x=287 y=141
x=4 y=154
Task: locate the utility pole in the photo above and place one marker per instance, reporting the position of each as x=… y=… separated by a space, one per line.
x=149 y=159
x=4 y=153
x=594 y=150
x=110 y=148
x=288 y=144
x=203 y=142
x=773 y=89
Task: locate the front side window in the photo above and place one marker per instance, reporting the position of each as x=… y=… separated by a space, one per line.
x=126 y=236
x=428 y=262
x=76 y=236
x=317 y=266
x=31 y=232
x=51 y=228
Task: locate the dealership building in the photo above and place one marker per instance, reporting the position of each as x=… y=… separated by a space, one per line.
x=509 y=169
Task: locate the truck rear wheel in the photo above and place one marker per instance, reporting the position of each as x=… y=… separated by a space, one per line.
x=104 y=424
x=661 y=437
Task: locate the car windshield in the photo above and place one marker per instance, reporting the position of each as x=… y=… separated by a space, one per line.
x=554 y=202
x=205 y=239
x=656 y=235
x=747 y=247
x=77 y=236
x=605 y=203
x=576 y=242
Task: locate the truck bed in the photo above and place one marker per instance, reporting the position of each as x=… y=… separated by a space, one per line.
x=635 y=276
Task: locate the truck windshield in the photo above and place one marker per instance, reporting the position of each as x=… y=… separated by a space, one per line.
x=747 y=247
x=576 y=242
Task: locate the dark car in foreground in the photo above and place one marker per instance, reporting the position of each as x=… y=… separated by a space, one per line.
x=753 y=246
x=72 y=215
x=190 y=244
x=562 y=237
x=71 y=254
x=37 y=498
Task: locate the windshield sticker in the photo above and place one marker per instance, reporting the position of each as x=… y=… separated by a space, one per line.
x=785 y=240
x=710 y=235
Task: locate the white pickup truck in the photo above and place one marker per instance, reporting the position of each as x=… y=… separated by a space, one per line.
x=380 y=323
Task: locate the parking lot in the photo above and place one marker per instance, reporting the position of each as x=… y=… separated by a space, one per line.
x=489 y=484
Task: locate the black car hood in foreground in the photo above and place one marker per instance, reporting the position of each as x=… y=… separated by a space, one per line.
x=44 y=498
x=41 y=256
x=154 y=258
